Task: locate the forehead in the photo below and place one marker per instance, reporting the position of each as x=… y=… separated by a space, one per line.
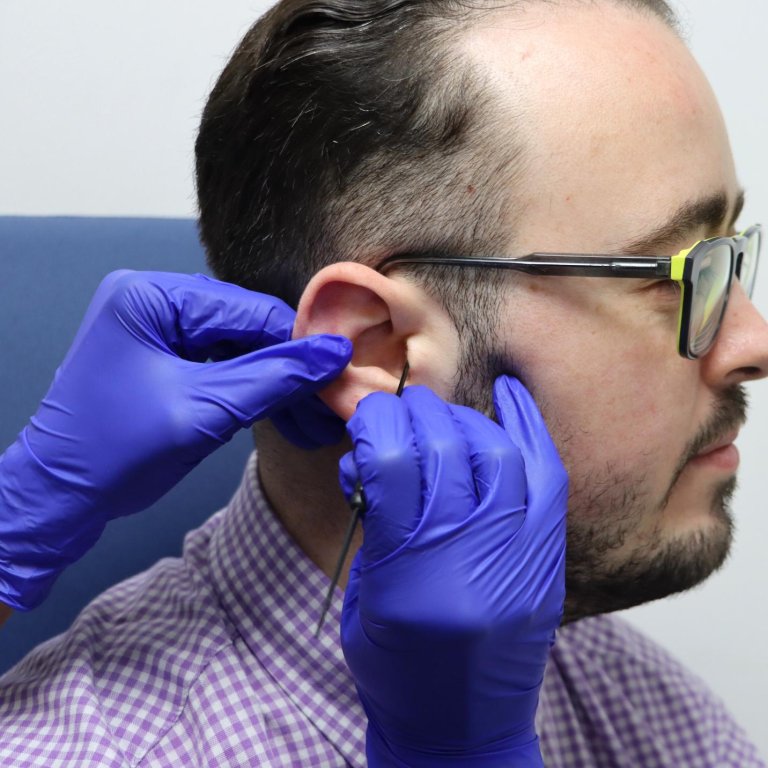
x=619 y=126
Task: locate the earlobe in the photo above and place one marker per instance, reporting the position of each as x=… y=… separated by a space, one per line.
x=371 y=310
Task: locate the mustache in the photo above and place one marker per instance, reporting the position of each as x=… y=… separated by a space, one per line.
x=729 y=414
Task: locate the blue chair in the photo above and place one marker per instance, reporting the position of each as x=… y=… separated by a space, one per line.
x=50 y=268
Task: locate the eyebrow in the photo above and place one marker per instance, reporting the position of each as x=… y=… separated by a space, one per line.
x=709 y=212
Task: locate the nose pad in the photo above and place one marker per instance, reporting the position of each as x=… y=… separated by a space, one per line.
x=739 y=263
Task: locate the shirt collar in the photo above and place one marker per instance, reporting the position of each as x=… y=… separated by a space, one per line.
x=273 y=594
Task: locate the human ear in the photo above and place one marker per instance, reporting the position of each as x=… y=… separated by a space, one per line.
x=390 y=321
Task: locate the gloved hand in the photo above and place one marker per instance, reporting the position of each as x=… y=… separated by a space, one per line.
x=454 y=597
x=134 y=407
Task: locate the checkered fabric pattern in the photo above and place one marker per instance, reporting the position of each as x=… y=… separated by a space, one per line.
x=211 y=660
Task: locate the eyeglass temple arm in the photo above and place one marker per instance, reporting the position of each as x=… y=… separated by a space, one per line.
x=585 y=265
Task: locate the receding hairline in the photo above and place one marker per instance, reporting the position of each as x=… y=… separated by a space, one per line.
x=401 y=185
x=509 y=106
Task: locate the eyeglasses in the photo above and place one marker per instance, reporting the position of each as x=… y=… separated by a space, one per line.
x=704 y=273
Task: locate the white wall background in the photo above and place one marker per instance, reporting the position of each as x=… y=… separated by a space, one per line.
x=99 y=104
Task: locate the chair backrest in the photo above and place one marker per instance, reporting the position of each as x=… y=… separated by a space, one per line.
x=50 y=269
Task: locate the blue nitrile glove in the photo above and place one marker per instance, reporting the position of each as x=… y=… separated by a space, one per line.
x=134 y=407
x=455 y=595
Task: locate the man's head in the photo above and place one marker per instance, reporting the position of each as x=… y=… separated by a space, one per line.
x=349 y=132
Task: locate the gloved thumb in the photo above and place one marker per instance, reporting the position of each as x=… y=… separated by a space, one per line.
x=253 y=386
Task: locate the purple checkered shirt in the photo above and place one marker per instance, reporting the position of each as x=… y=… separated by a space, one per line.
x=211 y=660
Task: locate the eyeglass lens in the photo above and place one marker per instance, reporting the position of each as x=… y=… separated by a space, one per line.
x=712 y=286
x=710 y=291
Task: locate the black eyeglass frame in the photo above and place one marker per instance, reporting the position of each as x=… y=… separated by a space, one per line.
x=684 y=268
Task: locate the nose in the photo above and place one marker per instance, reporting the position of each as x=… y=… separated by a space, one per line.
x=740 y=352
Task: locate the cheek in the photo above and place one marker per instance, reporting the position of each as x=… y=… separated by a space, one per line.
x=611 y=401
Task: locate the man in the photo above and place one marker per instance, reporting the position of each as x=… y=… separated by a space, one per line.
x=459 y=139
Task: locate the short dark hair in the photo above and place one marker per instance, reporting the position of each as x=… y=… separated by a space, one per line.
x=343 y=125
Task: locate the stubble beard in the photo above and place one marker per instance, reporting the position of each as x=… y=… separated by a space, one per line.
x=611 y=563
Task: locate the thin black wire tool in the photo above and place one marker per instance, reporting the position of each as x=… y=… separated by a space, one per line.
x=357 y=505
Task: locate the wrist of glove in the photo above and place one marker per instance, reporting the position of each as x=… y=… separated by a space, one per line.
x=164 y=369
x=381 y=752
x=34 y=550
x=455 y=595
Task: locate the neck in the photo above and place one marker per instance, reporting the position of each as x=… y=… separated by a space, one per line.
x=303 y=489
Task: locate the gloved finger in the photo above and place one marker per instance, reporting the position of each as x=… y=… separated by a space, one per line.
x=519 y=415
x=449 y=488
x=387 y=465
x=252 y=386
x=496 y=461
x=199 y=317
x=348 y=475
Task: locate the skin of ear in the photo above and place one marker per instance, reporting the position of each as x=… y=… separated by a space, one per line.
x=390 y=320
